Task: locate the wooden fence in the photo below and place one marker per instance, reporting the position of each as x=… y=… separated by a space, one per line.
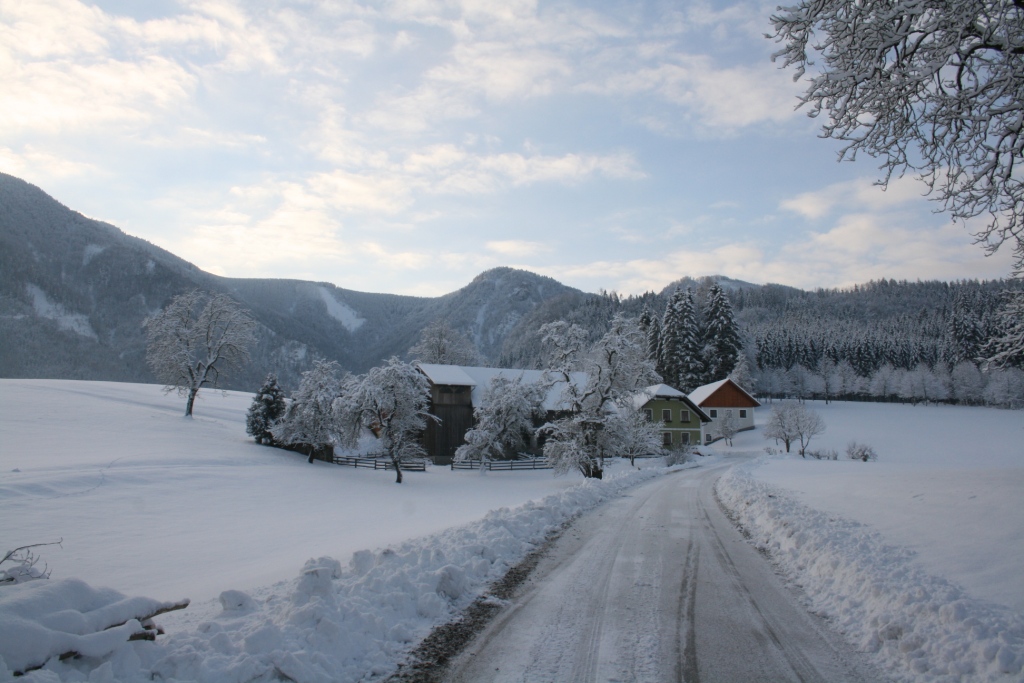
x=379 y=463
x=504 y=465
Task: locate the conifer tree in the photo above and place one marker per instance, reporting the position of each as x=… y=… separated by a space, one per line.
x=691 y=358
x=267 y=407
x=722 y=336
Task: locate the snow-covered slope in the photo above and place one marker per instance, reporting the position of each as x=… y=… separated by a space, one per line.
x=153 y=504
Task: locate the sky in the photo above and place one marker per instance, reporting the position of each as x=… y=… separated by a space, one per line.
x=407 y=146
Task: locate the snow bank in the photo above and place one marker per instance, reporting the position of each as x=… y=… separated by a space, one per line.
x=351 y=623
x=43 y=619
x=921 y=627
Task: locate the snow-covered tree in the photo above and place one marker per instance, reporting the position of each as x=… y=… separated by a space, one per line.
x=968 y=383
x=195 y=340
x=1007 y=349
x=308 y=423
x=681 y=362
x=268 y=405
x=441 y=343
x=1005 y=387
x=392 y=401
x=503 y=423
x=721 y=335
x=793 y=423
x=616 y=367
x=632 y=433
x=882 y=384
x=932 y=87
x=741 y=373
x=728 y=426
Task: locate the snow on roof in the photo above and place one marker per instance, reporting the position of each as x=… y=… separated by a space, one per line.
x=701 y=394
x=446 y=374
x=665 y=391
x=480 y=380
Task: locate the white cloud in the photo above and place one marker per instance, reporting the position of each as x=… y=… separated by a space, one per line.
x=517 y=248
x=858 y=194
x=39 y=166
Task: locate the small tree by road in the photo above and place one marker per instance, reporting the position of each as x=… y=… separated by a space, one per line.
x=794 y=423
x=195 y=340
x=503 y=424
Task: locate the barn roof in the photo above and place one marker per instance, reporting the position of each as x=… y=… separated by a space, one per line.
x=702 y=394
x=480 y=379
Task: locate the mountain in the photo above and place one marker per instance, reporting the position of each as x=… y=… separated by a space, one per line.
x=74 y=292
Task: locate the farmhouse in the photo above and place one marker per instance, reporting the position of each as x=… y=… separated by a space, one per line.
x=722 y=399
x=681 y=419
x=455 y=390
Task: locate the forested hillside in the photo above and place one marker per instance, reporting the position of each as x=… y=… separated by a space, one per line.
x=74 y=293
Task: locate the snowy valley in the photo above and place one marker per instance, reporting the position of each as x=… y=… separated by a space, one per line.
x=151 y=504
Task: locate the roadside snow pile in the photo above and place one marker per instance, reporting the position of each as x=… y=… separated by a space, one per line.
x=43 y=619
x=919 y=626
x=347 y=624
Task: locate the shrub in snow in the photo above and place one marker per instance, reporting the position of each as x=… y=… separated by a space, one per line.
x=678 y=456
x=267 y=408
x=860 y=451
x=21 y=565
x=824 y=454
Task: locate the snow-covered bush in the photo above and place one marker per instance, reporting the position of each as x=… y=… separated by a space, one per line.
x=860 y=451
x=824 y=454
x=22 y=565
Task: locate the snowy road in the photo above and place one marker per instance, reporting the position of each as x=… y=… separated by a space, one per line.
x=657 y=586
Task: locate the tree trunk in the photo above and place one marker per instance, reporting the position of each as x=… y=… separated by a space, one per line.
x=398 y=470
x=191 y=400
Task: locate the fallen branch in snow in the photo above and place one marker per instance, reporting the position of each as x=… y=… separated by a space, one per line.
x=43 y=620
x=26 y=561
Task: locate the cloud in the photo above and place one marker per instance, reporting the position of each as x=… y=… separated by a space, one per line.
x=858 y=248
x=38 y=166
x=858 y=194
x=517 y=248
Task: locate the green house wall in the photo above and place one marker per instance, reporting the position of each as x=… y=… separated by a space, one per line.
x=676 y=428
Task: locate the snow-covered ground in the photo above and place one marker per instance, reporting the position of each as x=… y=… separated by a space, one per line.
x=150 y=503
x=919 y=556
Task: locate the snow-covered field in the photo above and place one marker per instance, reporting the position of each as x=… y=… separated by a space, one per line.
x=153 y=504
x=919 y=556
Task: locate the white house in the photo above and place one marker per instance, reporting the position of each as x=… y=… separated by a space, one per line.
x=723 y=398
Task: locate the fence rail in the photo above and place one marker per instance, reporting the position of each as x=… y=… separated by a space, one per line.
x=379 y=463
x=504 y=465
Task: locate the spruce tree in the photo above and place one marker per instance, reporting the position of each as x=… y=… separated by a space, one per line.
x=691 y=365
x=267 y=406
x=722 y=335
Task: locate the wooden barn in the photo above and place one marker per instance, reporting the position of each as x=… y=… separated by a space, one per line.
x=723 y=398
x=455 y=390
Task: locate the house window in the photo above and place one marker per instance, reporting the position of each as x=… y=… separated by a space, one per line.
x=707 y=438
x=666 y=438
x=713 y=413
x=743 y=413
x=684 y=438
x=666 y=415
x=649 y=414
x=684 y=415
